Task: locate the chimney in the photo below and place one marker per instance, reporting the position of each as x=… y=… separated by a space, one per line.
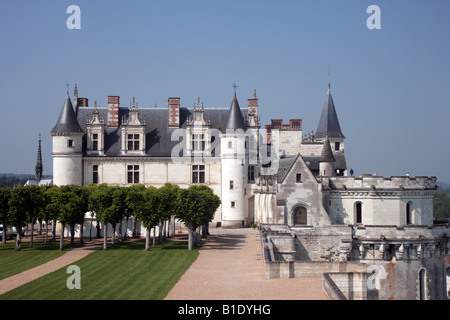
x=82 y=102
x=253 y=106
x=174 y=112
x=113 y=111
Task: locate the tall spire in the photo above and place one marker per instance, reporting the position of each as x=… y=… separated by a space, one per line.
x=39 y=168
x=329 y=123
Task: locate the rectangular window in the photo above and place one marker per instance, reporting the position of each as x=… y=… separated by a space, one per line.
x=95 y=142
x=133 y=174
x=95 y=174
x=251 y=174
x=231 y=185
x=230 y=144
x=198 y=174
x=298 y=177
x=233 y=204
x=337 y=145
x=198 y=142
x=70 y=143
x=133 y=142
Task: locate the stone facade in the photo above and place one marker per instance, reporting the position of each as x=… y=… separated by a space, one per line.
x=315 y=217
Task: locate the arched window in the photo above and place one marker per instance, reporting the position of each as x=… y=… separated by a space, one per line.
x=422 y=285
x=409 y=213
x=299 y=215
x=358 y=212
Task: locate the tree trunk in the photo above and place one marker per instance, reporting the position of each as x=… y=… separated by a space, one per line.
x=32 y=231
x=72 y=235
x=134 y=226
x=40 y=227
x=154 y=236
x=90 y=231
x=105 y=232
x=18 y=238
x=113 y=235
x=54 y=230
x=46 y=231
x=120 y=232
x=191 y=236
x=147 y=239
x=81 y=231
x=61 y=238
x=4 y=233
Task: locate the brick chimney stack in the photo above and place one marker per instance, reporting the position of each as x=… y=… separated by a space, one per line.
x=113 y=111
x=174 y=112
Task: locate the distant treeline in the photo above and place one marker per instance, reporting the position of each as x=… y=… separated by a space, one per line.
x=11 y=180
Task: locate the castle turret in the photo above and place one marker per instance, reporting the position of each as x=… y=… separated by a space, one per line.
x=327 y=160
x=234 y=169
x=67 y=149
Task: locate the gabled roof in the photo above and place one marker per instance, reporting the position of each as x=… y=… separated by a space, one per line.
x=67 y=121
x=329 y=123
x=235 y=119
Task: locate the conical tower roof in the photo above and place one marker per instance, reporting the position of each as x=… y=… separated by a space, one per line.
x=235 y=119
x=67 y=121
x=327 y=154
x=329 y=123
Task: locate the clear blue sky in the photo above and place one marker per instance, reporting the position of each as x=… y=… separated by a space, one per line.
x=390 y=86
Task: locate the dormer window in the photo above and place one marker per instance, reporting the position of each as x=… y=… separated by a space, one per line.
x=133 y=142
x=95 y=142
x=198 y=142
x=70 y=143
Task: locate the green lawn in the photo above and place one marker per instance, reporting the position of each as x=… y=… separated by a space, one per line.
x=125 y=272
x=13 y=262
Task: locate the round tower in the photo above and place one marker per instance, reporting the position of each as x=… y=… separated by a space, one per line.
x=326 y=161
x=234 y=169
x=67 y=147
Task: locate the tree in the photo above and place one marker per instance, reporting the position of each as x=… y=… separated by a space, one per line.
x=4 y=209
x=72 y=202
x=166 y=206
x=135 y=203
x=196 y=206
x=100 y=201
x=18 y=207
x=441 y=206
x=149 y=215
x=117 y=210
x=35 y=199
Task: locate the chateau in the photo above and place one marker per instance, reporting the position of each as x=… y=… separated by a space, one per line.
x=316 y=217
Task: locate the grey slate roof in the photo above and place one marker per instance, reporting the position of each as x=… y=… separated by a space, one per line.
x=329 y=123
x=235 y=119
x=67 y=122
x=327 y=154
x=158 y=133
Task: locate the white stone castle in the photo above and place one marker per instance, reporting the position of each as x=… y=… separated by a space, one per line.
x=297 y=187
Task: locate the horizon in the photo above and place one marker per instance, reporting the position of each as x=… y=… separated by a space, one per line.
x=389 y=85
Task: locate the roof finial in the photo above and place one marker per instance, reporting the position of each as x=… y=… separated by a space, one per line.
x=329 y=76
x=67 y=85
x=254 y=93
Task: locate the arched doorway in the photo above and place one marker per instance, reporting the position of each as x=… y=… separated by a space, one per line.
x=300 y=216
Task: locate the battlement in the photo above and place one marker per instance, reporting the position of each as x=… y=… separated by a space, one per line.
x=383 y=183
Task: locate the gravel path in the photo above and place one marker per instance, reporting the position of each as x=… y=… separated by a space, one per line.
x=230 y=267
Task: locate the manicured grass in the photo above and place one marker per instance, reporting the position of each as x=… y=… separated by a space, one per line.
x=13 y=262
x=125 y=272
